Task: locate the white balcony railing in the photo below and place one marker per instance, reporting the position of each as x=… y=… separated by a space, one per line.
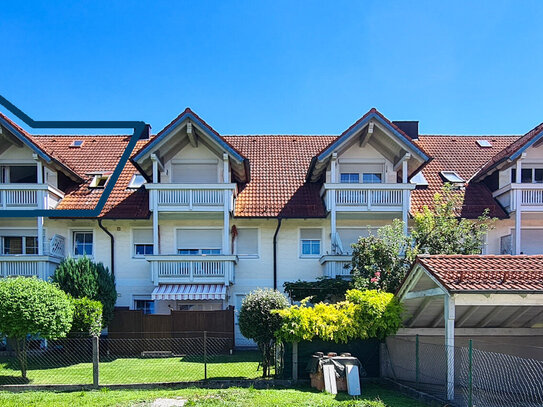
x=56 y=247
x=191 y=197
x=336 y=265
x=216 y=269
x=28 y=266
x=367 y=197
x=29 y=196
x=530 y=196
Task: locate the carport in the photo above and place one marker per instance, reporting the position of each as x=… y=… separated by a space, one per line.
x=473 y=295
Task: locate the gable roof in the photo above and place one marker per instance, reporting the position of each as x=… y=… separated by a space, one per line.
x=463 y=155
x=511 y=152
x=189 y=115
x=485 y=273
x=372 y=114
x=278 y=169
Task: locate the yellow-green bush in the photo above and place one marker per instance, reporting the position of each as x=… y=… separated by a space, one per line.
x=364 y=314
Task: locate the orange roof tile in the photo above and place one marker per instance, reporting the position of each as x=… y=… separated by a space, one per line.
x=462 y=155
x=502 y=273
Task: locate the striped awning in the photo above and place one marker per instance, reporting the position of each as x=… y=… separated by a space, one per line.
x=189 y=292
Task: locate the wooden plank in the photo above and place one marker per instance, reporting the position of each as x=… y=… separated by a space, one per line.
x=330 y=385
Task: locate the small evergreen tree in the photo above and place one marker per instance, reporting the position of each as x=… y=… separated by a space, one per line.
x=29 y=306
x=87 y=317
x=259 y=323
x=83 y=278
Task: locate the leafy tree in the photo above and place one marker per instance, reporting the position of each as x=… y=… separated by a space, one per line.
x=29 y=306
x=322 y=290
x=87 y=317
x=259 y=323
x=83 y=278
x=382 y=261
x=364 y=314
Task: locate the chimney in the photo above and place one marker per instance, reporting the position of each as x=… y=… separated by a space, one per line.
x=409 y=127
x=146 y=133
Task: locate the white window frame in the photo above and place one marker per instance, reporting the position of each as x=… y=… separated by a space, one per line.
x=21 y=232
x=221 y=229
x=97 y=178
x=72 y=242
x=249 y=256
x=143 y=298
x=310 y=256
x=527 y=166
x=133 y=243
x=132 y=184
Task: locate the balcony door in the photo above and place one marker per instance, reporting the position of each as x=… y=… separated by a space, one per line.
x=18 y=174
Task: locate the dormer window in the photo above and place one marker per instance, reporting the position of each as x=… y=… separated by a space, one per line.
x=137 y=181
x=99 y=180
x=76 y=144
x=484 y=143
x=452 y=177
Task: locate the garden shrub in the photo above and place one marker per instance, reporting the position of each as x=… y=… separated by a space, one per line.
x=87 y=317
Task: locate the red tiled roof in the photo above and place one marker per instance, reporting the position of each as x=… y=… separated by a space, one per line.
x=278 y=168
x=98 y=154
x=463 y=155
x=486 y=272
x=509 y=150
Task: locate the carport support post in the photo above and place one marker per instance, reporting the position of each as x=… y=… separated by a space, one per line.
x=205 y=355
x=95 y=361
x=417 y=379
x=470 y=377
x=294 y=361
x=449 y=315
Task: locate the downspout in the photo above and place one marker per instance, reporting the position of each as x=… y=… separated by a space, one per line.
x=279 y=220
x=112 y=243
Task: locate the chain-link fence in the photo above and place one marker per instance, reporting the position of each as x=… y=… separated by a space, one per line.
x=480 y=377
x=190 y=356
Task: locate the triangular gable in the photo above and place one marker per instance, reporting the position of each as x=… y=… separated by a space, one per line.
x=239 y=163
x=511 y=152
x=419 y=157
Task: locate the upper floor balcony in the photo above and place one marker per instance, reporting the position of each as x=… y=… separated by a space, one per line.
x=336 y=265
x=529 y=196
x=29 y=196
x=181 y=269
x=191 y=197
x=352 y=197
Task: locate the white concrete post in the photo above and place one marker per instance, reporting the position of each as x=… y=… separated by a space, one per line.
x=294 y=361
x=518 y=205
x=40 y=196
x=155 y=168
x=226 y=249
x=332 y=202
x=405 y=197
x=449 y=316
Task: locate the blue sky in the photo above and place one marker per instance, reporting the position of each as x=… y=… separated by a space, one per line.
x=255 y=67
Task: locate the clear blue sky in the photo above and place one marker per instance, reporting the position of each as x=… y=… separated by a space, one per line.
x=260 y=67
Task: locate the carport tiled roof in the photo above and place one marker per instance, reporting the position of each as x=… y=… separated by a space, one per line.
x=488 y=273
x=463 y=155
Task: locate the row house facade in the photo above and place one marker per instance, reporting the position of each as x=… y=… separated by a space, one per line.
x=197 y=220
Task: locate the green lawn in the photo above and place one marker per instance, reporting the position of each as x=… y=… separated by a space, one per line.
x=373 y=396
x=240 y=365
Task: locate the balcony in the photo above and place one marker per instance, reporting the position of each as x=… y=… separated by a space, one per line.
x=336 y=265
x=179 y=269
x=529 y=195
x=191 y=197
x=367 y=197
x=29 y=196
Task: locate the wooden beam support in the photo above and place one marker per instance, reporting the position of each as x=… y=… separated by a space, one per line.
x=432 y=292
x=366 y=138
x=437 y=320
x=515 y=316
x=466 y=315
x=422 y=307
x=406 y=156
x=538 y=317
x=483 y=323
x=192 y=135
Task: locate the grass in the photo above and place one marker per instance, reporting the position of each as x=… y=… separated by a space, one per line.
x=241 y=365
x=372 y=396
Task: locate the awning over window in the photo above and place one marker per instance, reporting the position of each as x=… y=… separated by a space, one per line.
x=189 y=292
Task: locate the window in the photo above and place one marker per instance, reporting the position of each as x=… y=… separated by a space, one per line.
x=82 y=243
x=350 y=178
x=147 y=306
x=99 y=181
x=371 y=178
x=142 y=240
x=19 y=174
x=247 y=242
x=19 y=245
x=528 y=175
x=310 y=242
x=451 y=176
x=76 y=143
x=419 y=179
x=484 y=143
x=137 y=181
x=199 y=241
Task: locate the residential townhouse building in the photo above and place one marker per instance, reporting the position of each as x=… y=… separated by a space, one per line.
x=197 y=220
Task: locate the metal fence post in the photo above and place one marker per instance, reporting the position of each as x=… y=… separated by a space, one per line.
x=417 y=377
x=294 y=361
x=95 y=361
x=470 y=374
x=205 y=355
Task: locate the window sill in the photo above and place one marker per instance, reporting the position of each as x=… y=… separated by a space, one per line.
x=310 y=256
